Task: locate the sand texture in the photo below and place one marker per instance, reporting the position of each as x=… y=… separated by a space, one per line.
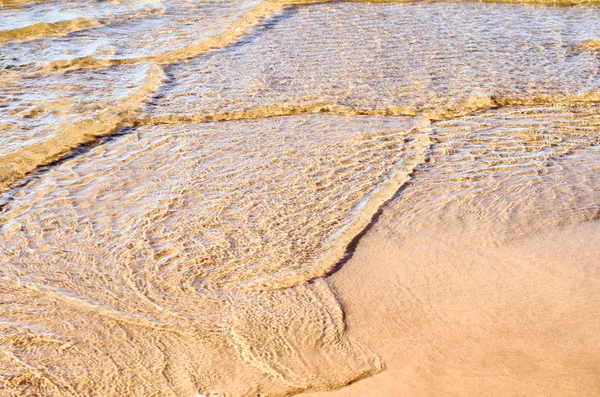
x=257 y=198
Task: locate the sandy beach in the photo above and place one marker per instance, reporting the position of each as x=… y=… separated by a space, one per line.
x=452 y=317
x=257 y=198
x=468 y=298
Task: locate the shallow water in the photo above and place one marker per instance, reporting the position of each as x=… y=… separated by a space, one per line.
x=179 y=177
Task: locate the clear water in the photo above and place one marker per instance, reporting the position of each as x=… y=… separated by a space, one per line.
x=179 y=177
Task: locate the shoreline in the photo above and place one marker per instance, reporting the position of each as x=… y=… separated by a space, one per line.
x=454 y=317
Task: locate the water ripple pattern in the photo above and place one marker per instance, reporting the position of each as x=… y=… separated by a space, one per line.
x=180 y=178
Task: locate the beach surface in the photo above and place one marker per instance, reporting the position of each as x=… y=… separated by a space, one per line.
x=269 y=197
x=451 y=316
x=486 y=289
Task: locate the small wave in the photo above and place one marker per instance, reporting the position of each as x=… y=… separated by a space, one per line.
x=198 y=227
x=592 y=44
x=72 y=126
x=232 y=33
x=116 y=116
x=16 y=3
x=41 y=29
x=466 y=107
x=180 y=41
x=51 y=19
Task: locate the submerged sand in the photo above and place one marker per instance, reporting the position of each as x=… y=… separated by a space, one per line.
x=269 y=197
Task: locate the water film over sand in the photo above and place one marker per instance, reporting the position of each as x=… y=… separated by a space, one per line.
x=263 y=198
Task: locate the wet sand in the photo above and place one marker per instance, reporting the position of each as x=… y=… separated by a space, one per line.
x=270 y=197
x=450 y=318
x=475 y=296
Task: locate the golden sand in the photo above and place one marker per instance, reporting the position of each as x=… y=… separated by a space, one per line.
x=265 y=198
